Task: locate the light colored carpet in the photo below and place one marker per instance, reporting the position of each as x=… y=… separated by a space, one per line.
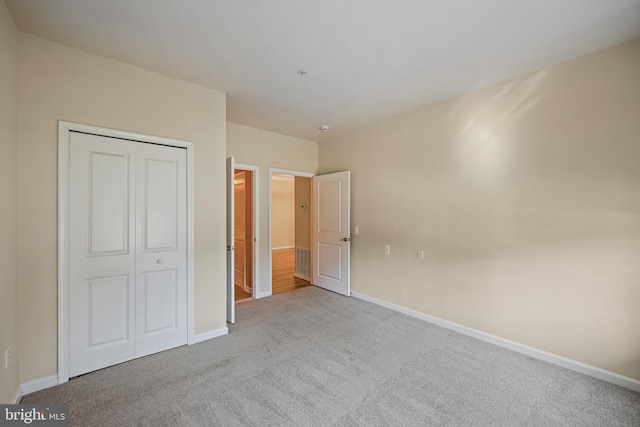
x=313 y=358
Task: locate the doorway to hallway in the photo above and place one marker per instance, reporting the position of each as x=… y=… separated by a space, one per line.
x=290 y=232
x=243 y=234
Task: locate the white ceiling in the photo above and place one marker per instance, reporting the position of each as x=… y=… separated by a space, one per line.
x=365 y=59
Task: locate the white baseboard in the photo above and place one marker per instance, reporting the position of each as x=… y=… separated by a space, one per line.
x=573 y=365
x=52 y=380
x=300 y=276
x=39 y=384
x=209 y=335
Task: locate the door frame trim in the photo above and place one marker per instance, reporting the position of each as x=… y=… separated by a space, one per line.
x=269 y=291
x=64 y=130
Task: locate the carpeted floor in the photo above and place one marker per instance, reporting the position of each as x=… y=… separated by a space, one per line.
x=313 y=358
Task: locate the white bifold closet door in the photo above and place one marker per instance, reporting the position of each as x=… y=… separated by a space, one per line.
x=128 y=251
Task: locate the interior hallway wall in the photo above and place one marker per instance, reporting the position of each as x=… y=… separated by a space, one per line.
x=57 y=82
x=303 y=216
x=266 y=150
x=283 y=212
x=9 y=289
x=525 y=197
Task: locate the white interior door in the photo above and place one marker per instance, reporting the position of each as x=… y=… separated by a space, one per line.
x=231 y=306
x=331 y=231
x=127 y=250
x=161 y=249
x=102 y=252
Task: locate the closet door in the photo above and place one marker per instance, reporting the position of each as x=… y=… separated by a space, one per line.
x=161 y=249
x=102 y=252
x=127 y=250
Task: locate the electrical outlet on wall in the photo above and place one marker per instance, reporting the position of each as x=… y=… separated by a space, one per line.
x=420 y=254
x=7 y=353
x=387 y=249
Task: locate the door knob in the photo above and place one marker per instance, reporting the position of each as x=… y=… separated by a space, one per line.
x=345 y=239
x=159 y=261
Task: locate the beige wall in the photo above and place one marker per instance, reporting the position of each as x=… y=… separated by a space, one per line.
x=303 y=216
x=61 y=83
x=9 y=378
x=266 y=150
x=525 y=197
x=282 y=212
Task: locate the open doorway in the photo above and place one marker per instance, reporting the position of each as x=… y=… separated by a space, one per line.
x=290 y=232
x=243 y=234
